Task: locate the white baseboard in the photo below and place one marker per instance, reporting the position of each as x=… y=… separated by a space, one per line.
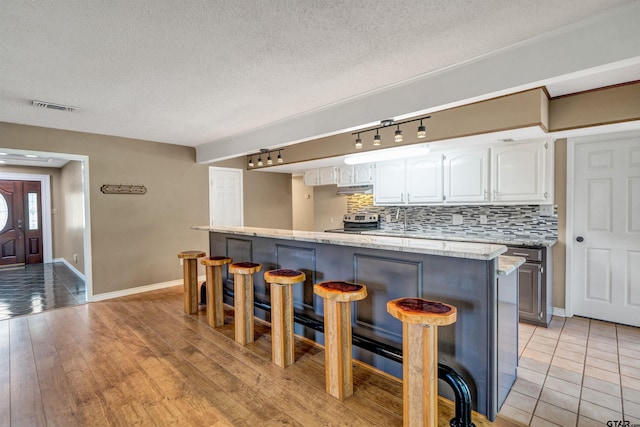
x=558 y=312
x=140 y=289
x=71 y=267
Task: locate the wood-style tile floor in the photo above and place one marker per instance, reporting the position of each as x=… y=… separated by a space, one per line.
x=577 y=372
x=139 y=360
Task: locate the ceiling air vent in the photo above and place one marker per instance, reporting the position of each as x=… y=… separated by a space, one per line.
x=53 y=106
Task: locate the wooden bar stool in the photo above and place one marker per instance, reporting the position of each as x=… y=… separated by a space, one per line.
x=213 y=265
x=190 y=279
x=281 y=281
x=243 y=299
x=337 y=334
x=420 y=320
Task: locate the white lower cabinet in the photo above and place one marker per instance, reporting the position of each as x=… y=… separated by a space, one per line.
x=522 y=172
x=466 y=176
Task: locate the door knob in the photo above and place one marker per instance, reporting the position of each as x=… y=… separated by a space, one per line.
x=579 y=239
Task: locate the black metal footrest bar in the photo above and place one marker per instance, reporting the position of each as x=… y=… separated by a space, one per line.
x=460 y=388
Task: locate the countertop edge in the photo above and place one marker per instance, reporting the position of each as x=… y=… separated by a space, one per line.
x=508 y=264
x=455 y=249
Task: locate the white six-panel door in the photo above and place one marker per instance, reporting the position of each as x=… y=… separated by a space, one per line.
x=225 y=197
x=605 y=254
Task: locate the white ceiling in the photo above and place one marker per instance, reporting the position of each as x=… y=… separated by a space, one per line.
x=203 y=72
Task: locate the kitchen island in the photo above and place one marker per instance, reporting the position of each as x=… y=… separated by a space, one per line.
x=462 y=274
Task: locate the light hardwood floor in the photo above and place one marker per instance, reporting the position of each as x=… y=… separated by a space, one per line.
x=139 y=360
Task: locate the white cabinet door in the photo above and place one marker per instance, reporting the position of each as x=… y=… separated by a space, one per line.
x=362 y=174
x=344 y=175
x=327 y=175
x=424 y=179
x=519 y=172
x=388 y=187
x=466 y=176
x=311 y=177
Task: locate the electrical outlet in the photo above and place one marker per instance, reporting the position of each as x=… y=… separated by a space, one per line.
x=387 y=218
x=331 y=220
x=546 y=210
x=75 y=258
x=483 y=219
x=456 y=219
x=180 y=261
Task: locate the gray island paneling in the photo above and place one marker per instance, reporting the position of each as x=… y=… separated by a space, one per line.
x=458 y=273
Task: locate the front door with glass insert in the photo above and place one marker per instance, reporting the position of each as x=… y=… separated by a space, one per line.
x=20 y=222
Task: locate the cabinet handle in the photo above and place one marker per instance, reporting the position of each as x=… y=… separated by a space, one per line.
x=408 y=197
x=520 y=254
x=401 y=197
x=540 y=315
x=485 y=194
x=495 y=194
x=545 y=195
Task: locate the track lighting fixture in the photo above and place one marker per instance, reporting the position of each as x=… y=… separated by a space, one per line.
x=265 y=152
x=398 y=137
x=358 y=144
x=422 y=131
x=376 y=139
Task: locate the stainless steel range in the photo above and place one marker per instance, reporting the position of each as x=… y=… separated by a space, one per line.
x=357 y=223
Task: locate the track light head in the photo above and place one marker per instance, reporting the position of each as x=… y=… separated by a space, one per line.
x=398 y=136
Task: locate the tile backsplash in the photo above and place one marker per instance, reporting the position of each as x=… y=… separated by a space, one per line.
x=520 y=220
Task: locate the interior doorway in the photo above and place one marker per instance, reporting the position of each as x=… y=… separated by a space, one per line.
x=81 y=219
x=20 y=222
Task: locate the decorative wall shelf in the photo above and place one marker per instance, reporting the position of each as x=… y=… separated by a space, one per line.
x=123 y=189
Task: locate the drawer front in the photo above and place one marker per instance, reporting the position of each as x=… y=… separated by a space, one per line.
x=530 y=254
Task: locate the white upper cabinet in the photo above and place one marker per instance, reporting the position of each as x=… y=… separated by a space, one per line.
x=389 y=183
x=327 y=175
x=354 y=175
x=424 y=179
x=311 y=177
x=363 y=174
x=466 y=176
x=522 y=172
x=320 y=176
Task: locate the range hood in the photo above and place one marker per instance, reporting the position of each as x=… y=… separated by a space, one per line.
x=355 y=189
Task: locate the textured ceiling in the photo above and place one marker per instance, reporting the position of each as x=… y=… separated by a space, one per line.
x=194 y=72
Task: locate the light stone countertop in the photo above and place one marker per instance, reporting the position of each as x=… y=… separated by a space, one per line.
x=456 y=249
x=508 y=264
x=499 y=239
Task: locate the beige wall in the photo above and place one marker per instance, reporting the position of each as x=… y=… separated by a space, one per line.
x=70 y=210
x=560 y=248
x=302 y=204
x=135 y=238
x=614 y=104
x=328 y=208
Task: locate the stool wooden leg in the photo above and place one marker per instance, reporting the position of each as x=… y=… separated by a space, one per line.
x=215 y=311
x=337 y=342
x=243 y=306
x=282 y=348
x=420 y=375
x=190 y=277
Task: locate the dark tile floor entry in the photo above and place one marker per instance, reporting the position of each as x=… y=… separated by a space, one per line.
x=35 y=288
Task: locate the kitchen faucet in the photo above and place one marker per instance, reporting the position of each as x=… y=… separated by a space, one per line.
x=404 y=227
